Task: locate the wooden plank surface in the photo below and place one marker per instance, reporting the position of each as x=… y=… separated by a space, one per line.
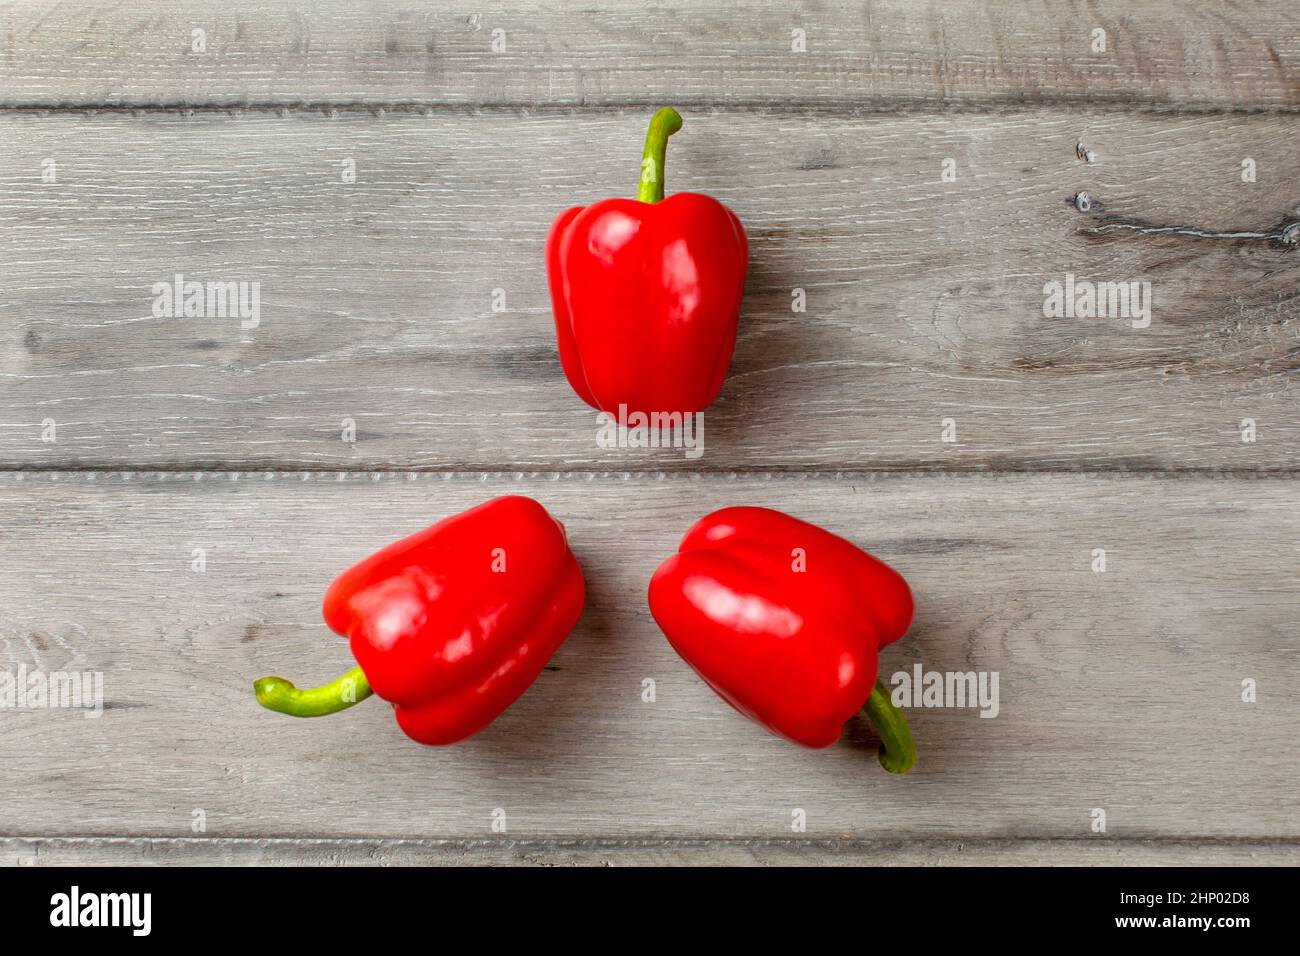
x=127 y=441
x=1188 y=55
x=925 y=298
x=1118 y=690
x=234 y=851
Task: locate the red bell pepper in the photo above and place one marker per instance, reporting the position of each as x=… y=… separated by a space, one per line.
x=646 y=292
x=785 y=621
x=450 y=625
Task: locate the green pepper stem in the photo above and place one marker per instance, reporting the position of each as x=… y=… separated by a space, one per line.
x=276 y=693
x=897 y=748
x=662 y=125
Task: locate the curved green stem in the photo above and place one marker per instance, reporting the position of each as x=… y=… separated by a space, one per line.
x=662 y=125
x=276 y=693
x=897 y=748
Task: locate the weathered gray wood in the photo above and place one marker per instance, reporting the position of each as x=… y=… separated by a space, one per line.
x=1191 y=54
x=924 y=298
x=218 y=851
x=1118 y=690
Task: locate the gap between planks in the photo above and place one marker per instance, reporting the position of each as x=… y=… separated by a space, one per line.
x=1116 y=470
x=757 y=107
x=598 y=842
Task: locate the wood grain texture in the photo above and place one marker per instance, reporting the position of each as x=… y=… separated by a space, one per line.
x=1118 y=690
x=1194 y=54
x=924 y=298
x=218 y=851
x=129 y=441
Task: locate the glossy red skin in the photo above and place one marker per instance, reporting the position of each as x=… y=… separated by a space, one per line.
x=646 y=299
x=447 y=640
x=795 y=651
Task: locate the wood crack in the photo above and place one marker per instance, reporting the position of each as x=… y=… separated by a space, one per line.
x=1285 y=234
